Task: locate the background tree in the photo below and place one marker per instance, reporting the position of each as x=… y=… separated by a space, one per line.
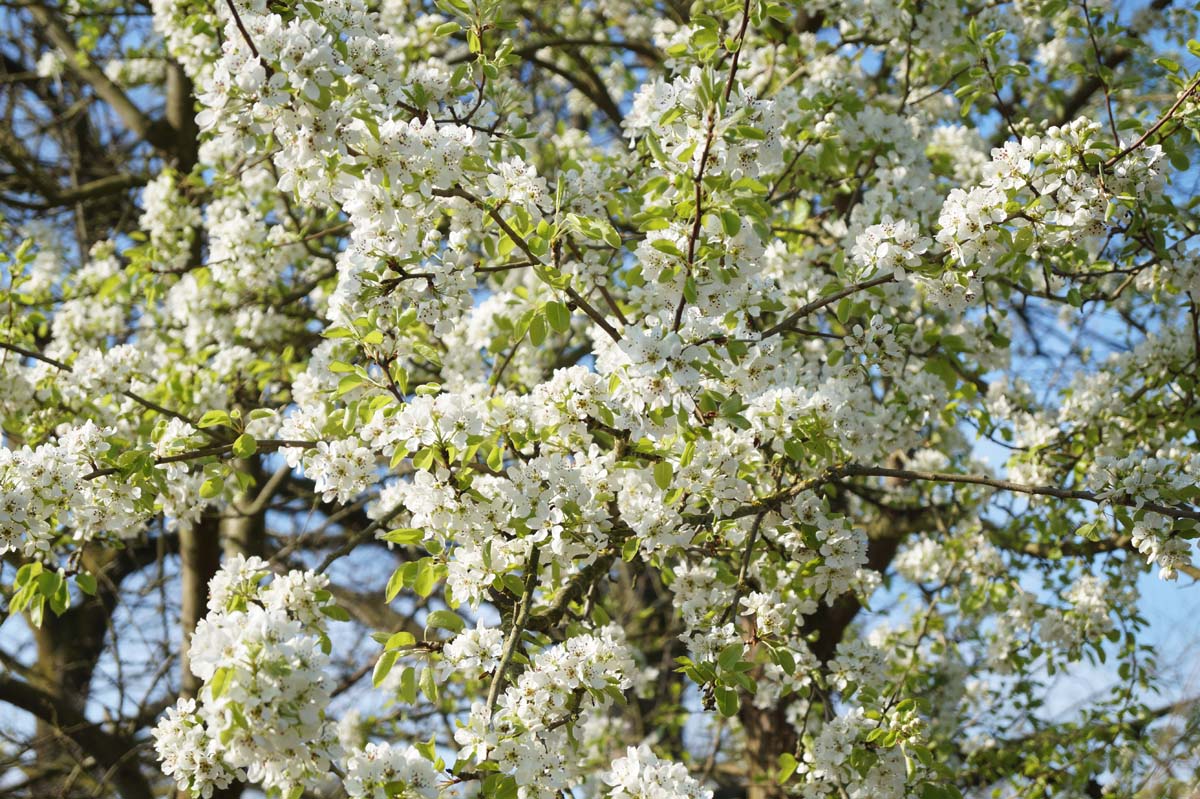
x=594 y=399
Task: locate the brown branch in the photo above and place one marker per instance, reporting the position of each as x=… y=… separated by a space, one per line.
x=1075 y=548
x=53 y=197
x=821 y=302
x=573 y=592
x=518 y=628
x=523 y=245
x=110 y=751
x=140 y=400
x=157 y=132
x=264 y=445
x=1174 y=511
x=698 y=178
x=1164 y=119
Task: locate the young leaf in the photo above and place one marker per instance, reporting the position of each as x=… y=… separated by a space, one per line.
x=446 y=620
x=558 y=316
x=245 y=446
x=383 y=666
x=663 y=474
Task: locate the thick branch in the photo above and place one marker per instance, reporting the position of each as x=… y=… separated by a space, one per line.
x=791 y=319
x=157 y=132
x=110 y=751
x=1174 y=511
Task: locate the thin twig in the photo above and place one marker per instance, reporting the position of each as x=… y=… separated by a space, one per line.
x=820 y=303
x=140 y=400
x=518 y=627
x=1164 y=119
x=523 y=245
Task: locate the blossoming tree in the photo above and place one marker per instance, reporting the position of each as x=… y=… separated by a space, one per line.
x=594 y=399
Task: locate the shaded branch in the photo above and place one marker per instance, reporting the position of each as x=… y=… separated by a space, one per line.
x=109 y=750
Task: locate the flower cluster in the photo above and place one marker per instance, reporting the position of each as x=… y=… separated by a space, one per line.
x=1153 y=537
x=382 y=771
x=603 y=377
x=673 y=114
x=57 y=485
x=170 y=221
x=189 y=754
x=261 y=653
x=100 y=372
x=827 y=763
x=1088 y=617
x=529 y=730
x=890 y=246
x=1061 y=169
x=341 y=469
x=473 y=652
x=641 y=774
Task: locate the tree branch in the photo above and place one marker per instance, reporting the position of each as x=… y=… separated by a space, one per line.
x=157 y=132
x=110 y=751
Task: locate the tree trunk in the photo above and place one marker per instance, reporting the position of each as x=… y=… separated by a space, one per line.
x=199 y=559
x=768 y=735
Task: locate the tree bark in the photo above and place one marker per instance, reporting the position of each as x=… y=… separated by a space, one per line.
x=199 y=559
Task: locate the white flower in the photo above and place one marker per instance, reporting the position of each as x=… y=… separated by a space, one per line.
x=381 y=771
x=642 y=775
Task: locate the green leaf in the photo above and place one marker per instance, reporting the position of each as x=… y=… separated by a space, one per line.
x=731 y=655
x=1024 y=239
x=245 y=446
x=383 y=666
x=335 y=612
x=429 y=684
x=690 y=292
x=667 y=246
x=689 y=452
x=213 y=418
x=663 y=474
x=404 y=535
x=86 y=583
x=842 y=311
x=423 y=459
x=211 y=487
x=513 y=584
x=49 y=583
x=426 y=578
x=559 y=316
x=537 y=329
x=400 y=639
x=731 y=222
x=445 y=620
x=348 y=384
x=785 y=660
x=500 y=786
x=495 y=458
x=394 y=585
x=220 y=681
x=787 y=766
x=408 y=685
x=750 y=184
x=727 y=700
